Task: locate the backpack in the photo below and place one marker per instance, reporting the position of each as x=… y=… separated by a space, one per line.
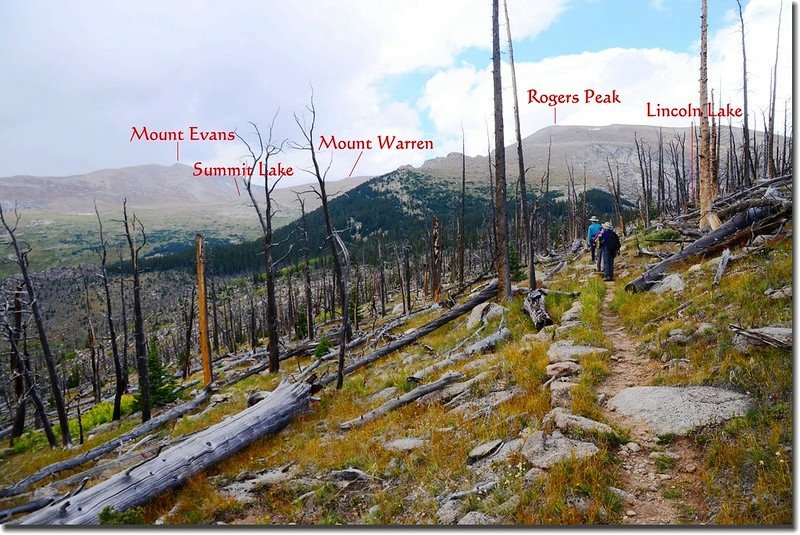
x=612 y=242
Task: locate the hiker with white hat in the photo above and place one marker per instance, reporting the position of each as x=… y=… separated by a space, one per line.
x=594 y=230
x=609 y=247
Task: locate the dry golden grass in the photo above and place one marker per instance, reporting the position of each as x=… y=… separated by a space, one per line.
x=554 y=498
x=214 y=506
x=748 y=468
x=572 y=492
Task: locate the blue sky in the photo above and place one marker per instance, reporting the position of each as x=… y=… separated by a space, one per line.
x=585 y=26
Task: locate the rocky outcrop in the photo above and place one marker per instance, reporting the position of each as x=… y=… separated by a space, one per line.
x=543 y=451
x=483 y=313
x=672 y=410
x=570 y=423
x=670 y=283
x=566 y=350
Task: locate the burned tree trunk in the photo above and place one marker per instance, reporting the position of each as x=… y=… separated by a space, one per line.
x=708 y=188
x=188 y=319
x=462 y=227
x=33 y=388
x=50 y=362
x=202 y=309
x=748 y=171
x=17 y=363
x=124 y=312
x=332 y=236
x=731 y=231
x=383 y=281
x=95 y=379
x=214 y=315
x=138 y=318
x=501 y=220
x=534 y=306
x=120 y=373
x=261 y=155
x=436 y=263
x=139 y=484
x=307 y=271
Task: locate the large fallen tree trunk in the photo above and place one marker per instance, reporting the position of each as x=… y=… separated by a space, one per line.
x=405 y=399
x=725 y=202
x=107 y=447
x=731 y=231
x=489 y=292
x=534 y=306
x=173 y=466
x=478 y=347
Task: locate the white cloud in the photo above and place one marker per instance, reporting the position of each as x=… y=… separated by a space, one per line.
x=82 y=73
x=463 y=93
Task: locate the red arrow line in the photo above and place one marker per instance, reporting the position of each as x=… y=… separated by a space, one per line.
x=354 y=165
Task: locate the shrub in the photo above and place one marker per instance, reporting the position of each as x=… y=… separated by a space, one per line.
x=322 y=348
x=111 y=516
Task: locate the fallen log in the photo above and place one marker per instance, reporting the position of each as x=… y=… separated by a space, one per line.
x=34 y=505
x=746 y=204
x=173 y=466
x=52 y=493
x=643 y=251
x=489 y=292
x=762 y=184
x=478 y=347
x=467 y=284
x=405 y=399
x=106 y=447
x=549 y=274
x=729 y=232
x=575 y=247
x=457 y=389
x=534 y=306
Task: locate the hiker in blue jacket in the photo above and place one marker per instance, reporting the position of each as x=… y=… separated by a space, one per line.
x=594 y=230
x=610 y=246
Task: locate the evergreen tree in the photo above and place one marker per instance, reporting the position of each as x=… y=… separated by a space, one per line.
x=162 y=384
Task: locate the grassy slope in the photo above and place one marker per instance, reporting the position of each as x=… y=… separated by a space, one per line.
x=748 y=470
x=748 y=461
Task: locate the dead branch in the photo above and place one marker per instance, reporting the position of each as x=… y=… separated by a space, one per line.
x=405 y=399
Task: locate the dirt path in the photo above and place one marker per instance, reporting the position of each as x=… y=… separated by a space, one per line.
x=661 y=491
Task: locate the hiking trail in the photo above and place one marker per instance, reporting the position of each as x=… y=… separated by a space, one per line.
x=664 y=490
